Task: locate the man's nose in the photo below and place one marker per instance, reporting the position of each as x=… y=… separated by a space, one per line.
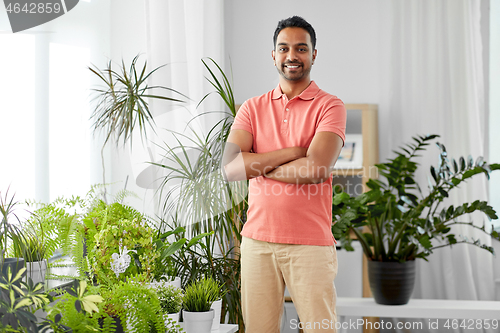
x=292 y=55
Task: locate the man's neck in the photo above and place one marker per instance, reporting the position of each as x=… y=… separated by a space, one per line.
x=292 y=88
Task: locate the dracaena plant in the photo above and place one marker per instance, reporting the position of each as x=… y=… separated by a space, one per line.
x=396 y=221
x=122 y=103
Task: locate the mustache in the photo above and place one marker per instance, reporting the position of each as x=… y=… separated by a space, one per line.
x=292 y=63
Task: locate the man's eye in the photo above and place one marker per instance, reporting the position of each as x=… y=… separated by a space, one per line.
x=282 y=49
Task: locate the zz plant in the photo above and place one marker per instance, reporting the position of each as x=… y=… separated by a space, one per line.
x=396 y=221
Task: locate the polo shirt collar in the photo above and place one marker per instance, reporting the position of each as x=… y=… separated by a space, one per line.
x=309 y=93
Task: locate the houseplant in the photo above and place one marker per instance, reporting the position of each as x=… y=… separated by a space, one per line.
x=196 y=303
x=18 y=300
x=112 y=232
x=171 y=303
x=203 y=200
x=12 y=236
x=396 y=222
x=75 y=311
x=35 y=258
x=136 y=305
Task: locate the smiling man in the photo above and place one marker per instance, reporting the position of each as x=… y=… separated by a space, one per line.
x=287 y=142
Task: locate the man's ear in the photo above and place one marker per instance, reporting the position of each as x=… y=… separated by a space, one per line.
x=315 y=53
x=272 y=55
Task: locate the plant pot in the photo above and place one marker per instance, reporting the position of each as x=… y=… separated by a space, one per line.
x=15 y=265
x=176 y=282
x=198 y=322
x=391 y=283
x=217 y=307
x=36 y=270
x=174 y=320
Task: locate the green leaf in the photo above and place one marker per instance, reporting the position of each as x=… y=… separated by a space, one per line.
x=433 y=173
x=339 y=198
x=406 y=200
x=442 y=192
x=471 y=161
x=462 y=164
x=425 y=241
x=402 y=208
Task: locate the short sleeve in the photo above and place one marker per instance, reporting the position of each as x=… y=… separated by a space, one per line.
x=242 y=120
x=333 y=119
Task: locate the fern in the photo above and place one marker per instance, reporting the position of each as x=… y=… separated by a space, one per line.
x=136 y=305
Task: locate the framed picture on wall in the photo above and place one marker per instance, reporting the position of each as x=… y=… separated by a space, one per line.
x=351 y=156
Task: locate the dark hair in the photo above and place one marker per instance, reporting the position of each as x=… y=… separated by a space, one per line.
x=298 y=22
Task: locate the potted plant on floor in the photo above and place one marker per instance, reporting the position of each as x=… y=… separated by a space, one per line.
x=196 y=303
x=397 y=223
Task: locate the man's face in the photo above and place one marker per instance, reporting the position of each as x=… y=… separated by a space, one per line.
x=293 y=54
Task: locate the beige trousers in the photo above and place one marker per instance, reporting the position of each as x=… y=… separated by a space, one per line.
x=308 y=271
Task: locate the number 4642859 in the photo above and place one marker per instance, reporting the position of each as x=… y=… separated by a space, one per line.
x=469 y=324
x=34 y=8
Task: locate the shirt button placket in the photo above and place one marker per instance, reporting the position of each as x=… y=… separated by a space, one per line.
x=286 y=119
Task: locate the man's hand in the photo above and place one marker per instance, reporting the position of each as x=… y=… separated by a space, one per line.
x=241 y=163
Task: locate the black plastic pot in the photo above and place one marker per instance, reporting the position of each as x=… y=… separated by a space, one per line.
x=15 y=265
x=391 y=283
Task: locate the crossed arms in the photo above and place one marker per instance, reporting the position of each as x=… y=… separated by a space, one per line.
x=295 y=165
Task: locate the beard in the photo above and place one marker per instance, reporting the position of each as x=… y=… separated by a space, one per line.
x=293 y=75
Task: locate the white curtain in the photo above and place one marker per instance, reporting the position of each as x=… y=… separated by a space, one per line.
x=437 y=86
x=179 y=35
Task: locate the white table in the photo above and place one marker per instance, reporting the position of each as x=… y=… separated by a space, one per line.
x=224 y=328
x=419 y=308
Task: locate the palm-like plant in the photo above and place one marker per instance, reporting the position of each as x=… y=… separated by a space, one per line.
x=13 y=238
x=204 y=201
x=401 y=220
x=122 y=103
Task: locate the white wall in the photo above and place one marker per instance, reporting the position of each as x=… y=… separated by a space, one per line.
x=351 y=43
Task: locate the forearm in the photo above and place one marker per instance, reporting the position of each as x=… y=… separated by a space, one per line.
x=247 y=165
x=301 y=171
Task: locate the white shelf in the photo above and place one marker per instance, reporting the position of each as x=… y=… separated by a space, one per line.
x=419 y=308
x=224 y=328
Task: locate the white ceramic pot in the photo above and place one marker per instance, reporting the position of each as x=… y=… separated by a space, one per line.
x=217 y=307
x=198 y=322
x=174 y=320
x=176 y=282
x=36 y=270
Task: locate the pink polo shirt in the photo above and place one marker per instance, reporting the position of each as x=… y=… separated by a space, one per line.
x=288 y=213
